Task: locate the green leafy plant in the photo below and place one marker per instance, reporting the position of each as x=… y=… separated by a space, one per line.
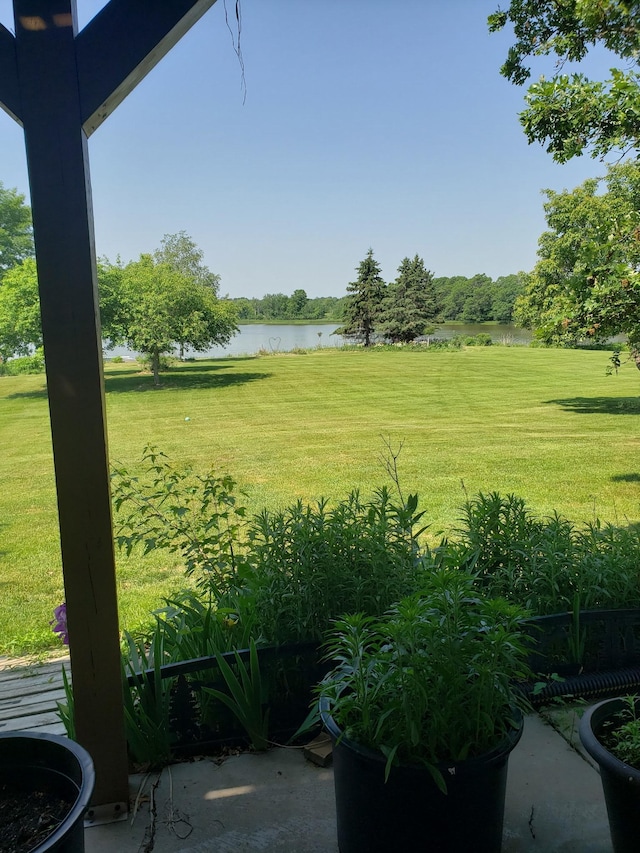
x=146 y=701
x=432 y=680
x=549 y=565
x=195 y=627
x=313 y=562
x=622 y=736
x=195 y=516
x=246 y=696
x=66 y=708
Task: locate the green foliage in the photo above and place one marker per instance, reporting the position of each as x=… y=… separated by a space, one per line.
x=569 y=112
x=16 y=233
x=147 y=703
x=181 y=253
x=314 y=562
x=246 y=696
x=410 y=303
x=66 y=709
x=547 y=565
x=622 y=735
x=363 y=305
x=197 y=517
x=433 y=679
x=197 y=627
x=585 y=285
x=20 y=325
x=27 y=365
x=152 y=305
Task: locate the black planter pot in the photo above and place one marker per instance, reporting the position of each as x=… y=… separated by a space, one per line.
x=620 y=782
x=409 y=812
x=42 y=763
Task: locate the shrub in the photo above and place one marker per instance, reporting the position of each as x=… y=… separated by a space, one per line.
x=26 y=364
x=548 y=565
x=312 y=563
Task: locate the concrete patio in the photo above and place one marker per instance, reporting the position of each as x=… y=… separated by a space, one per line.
x=279 y=801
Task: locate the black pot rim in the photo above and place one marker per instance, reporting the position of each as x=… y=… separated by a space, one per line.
x=590 y=726
x=496 y=753
x=85 y=789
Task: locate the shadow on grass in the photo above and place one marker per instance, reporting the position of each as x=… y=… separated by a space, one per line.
x=41 y=394
x=191 y=375
x=626 y=478
x=599 y=405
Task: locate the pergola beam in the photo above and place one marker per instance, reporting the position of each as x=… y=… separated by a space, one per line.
x=119 y=47
x=9 y=88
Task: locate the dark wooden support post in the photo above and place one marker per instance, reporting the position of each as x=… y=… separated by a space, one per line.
x=63 y=230
x=60 y=85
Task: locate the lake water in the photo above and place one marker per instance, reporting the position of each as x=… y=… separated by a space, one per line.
x=282 y=338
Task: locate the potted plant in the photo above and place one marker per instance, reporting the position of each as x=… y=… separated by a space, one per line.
x=610 y=732
x=46 y=783
x=423 y=709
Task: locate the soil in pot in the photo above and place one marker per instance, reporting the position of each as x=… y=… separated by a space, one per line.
x=28 y=817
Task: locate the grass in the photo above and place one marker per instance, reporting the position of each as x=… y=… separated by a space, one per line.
x=548 y=425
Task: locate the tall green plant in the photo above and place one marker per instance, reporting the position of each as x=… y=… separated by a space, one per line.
x=433 y=679
x=313 y=562
x=549 y=565
x=246 y=697
x=146 y=701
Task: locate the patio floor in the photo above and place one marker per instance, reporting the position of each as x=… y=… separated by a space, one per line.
x=281 y=802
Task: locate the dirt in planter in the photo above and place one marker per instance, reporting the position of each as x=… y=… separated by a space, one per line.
x=28 y=820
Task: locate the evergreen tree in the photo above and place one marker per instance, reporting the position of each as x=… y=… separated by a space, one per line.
x=364 y=302
x=411 y=304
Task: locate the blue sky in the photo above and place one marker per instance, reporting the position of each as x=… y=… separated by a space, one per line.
x=367 y=123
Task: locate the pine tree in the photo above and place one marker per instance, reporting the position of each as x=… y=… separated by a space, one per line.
x=362 y=306
x=411 y=303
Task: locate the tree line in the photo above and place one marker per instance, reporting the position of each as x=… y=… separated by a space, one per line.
x=414 y=303
x=476 y=299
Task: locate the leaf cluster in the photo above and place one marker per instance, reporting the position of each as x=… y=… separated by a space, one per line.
x=570 y=112
x=622 y=735
x=195 y=516
x=586 y=283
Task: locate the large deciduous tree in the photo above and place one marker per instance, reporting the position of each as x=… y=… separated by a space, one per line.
x=16 y=236
x=586 y=283
x=181 y=253
x=410 y=305
x=20 y=325
x=570 y=113
x=364 y=301
x=153 y=306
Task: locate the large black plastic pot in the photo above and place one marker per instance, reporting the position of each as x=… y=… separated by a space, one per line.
x=31 y=763
x=620 y=782
x=409 y=812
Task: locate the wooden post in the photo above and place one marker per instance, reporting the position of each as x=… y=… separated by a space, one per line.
x=60 y=85
x=63 y=230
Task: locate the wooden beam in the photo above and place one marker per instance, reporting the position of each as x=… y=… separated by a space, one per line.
x=63 y=230
x=9 y=89
x=122 y=44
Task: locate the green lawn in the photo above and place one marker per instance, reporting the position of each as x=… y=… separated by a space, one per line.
x=548 y=425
